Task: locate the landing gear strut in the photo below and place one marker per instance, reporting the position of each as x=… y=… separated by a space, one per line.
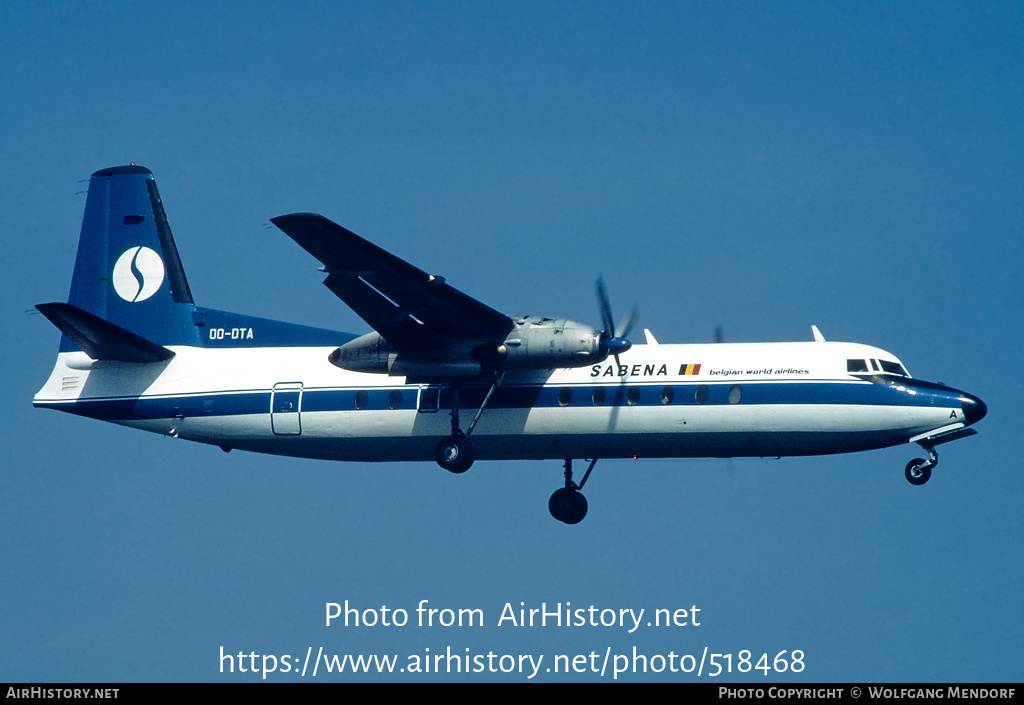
x=568 y=504
x=919 y=470
x=455 y=453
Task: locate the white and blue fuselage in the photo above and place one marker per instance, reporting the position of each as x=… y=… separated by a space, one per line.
x=721 y=400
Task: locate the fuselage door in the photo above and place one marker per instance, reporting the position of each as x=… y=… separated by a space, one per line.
x=285 y=405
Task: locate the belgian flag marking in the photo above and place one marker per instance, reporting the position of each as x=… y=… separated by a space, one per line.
x=689 y=369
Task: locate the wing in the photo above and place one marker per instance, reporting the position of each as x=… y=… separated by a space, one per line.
x=414 y=311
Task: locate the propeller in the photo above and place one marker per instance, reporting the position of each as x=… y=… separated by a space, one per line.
x=613 y=339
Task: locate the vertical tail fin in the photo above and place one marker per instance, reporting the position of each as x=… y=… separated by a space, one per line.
x=127 y=271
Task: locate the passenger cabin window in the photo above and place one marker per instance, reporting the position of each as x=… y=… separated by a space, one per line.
x=735 y=394
x=564 y=396
x=395 y=399
x=633 y=396
x=701 y=395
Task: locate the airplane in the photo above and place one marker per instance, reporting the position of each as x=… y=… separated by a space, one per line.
x=136 y=350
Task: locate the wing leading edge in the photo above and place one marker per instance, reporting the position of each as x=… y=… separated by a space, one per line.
x=416 y=312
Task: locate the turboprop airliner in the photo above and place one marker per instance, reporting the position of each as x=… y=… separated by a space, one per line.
x=444 y=377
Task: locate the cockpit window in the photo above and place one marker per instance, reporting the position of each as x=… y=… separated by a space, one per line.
x=884 y=366
x=894 y=368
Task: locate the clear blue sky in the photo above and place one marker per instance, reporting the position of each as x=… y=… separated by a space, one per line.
x=763 y=166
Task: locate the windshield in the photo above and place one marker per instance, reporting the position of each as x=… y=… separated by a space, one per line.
x=894 y=368
x=855 y=366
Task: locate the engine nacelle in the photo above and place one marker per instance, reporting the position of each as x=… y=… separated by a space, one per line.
x=541 y=343
x=372 y=353
x=534 y=342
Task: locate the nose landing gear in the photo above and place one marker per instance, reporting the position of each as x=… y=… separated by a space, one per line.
x=919 y=470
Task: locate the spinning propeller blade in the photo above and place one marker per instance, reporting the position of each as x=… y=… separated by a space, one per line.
x=613 y=339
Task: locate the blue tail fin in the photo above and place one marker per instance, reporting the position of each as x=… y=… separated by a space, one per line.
x=129 y=298
x=127 y=271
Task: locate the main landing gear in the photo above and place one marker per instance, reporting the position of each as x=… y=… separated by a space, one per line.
x=455 y=453
x=568 y=504
x=919 y=470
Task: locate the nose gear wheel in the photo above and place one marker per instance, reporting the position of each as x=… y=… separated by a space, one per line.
x=919 y=470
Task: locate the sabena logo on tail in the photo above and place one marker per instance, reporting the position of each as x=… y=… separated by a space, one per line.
x=138 y=274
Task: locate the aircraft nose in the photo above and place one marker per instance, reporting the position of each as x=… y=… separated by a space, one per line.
x=974 y=408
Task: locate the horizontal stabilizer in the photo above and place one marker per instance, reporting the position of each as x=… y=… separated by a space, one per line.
x=100 y=339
